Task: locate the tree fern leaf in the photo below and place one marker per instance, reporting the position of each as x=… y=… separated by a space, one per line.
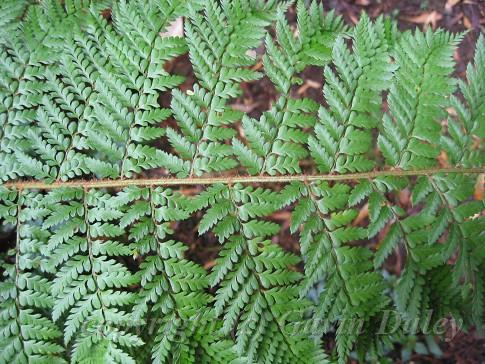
x=353 y=93
x=218 y=43
x=431 y=61
x=25 y=291
x=278 y=140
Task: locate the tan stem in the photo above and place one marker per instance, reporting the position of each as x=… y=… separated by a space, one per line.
x=170 y=181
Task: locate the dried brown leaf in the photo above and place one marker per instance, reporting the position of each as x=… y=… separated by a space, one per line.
x=427 y=18
x=479 y=187
x=175 y=28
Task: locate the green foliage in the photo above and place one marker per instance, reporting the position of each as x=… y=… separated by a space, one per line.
x=171 y=285
x=344 y=133
x=95 y=106
x=111 y=271
x=26 y=51
x=257 y=294
x=220 y=44
x=417 y=100
x=276 y=142
x=12 y=11
x=27 y=333
x=353 y=291
x=458 y=142
x=89 y=288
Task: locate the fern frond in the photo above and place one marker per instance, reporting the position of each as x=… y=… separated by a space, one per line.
x=32 y=49
x=255 y=284
x=173 y=288
x=89 y=290
x=458 y=142
x=220 y=41
x=10 y=12
x=276 y=142
x=417 y=98
x=352 y=291
x=100 y=107
x=343 y=135
x=27 y=333
x=458 y=222
x=420 y=234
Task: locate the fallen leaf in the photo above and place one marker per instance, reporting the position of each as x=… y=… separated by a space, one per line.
x=405 y=197
x=251 y=53
x=257 y=66
x=282 y=215
x=479 y=187
x=246 y=108
x=426 y=18
x=467 y=23
x=353 y=18
x=309 y=84
x=476 y=142
x=175 y=28
x=363 y=214
x=209 y=264
x=451 y=111
x=443 y=159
